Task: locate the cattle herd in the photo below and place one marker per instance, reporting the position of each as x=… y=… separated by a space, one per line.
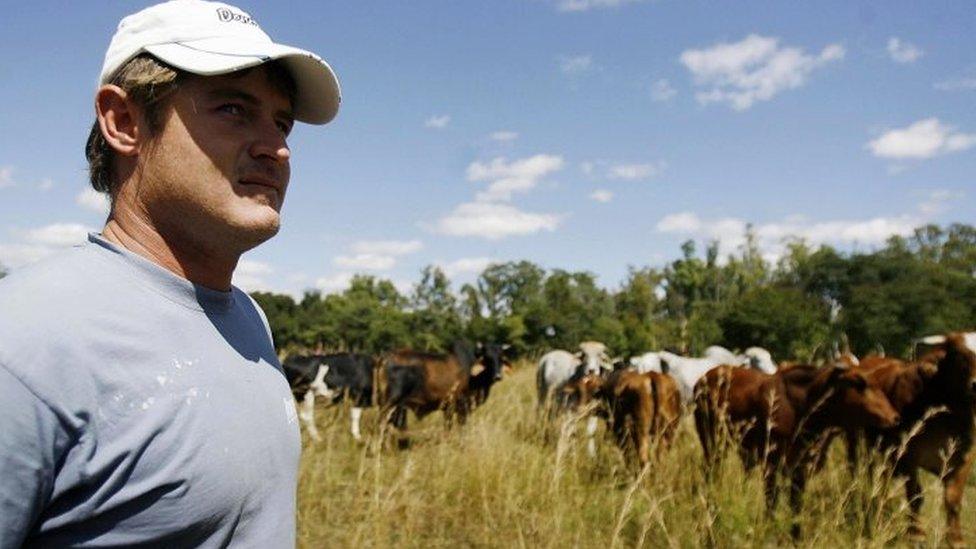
x=913 y=415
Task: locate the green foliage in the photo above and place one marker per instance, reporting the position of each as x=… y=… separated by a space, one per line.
x=812 y=297
x=785 y=321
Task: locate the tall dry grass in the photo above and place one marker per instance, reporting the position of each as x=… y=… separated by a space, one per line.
x=507 y=480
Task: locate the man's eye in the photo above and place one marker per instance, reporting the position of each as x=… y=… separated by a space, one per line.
x=232 y=108
x=285 y=128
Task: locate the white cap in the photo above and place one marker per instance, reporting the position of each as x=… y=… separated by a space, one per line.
x=210 y=38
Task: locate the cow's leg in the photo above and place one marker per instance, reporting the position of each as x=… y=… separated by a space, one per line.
x=798 y=482
x=355 y=416
x=954 y=484
x=307 y=415
x=771 y=489
x=399 y=421
x=641 y=436
x=591 y=426
x=852 y=439
x=913 y=491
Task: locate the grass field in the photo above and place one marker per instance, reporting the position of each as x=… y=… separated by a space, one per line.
x=506 y=480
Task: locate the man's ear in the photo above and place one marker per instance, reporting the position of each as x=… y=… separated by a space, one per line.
x=119 y=119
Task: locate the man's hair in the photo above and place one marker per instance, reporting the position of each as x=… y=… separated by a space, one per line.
x=149 y=83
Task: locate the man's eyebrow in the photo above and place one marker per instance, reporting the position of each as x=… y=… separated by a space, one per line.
x=241 y=95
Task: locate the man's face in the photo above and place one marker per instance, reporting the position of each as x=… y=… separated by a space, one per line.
x=214 y=176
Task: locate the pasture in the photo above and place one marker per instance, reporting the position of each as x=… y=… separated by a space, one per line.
x=507 y=480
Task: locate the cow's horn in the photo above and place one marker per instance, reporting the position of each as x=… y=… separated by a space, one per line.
x=933 y=340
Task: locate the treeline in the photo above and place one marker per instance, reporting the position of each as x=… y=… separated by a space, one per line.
x=812 y=298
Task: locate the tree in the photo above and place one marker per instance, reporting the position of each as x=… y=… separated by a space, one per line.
x=282 y=313
x=434 y=321
x=638 y=307
x=785 y=321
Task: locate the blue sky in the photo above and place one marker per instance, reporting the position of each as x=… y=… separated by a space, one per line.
x=581 y=134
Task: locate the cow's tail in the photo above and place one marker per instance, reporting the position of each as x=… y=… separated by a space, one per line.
x=706 y=424
x=540 y=383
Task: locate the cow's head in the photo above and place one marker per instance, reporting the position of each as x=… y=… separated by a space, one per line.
x=593 y=355
x=760 y=359
x=956 y=366
x=580 y=390
x=850 y=399
x=492 y=358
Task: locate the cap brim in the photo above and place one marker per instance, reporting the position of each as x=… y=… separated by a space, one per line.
x=317 y=94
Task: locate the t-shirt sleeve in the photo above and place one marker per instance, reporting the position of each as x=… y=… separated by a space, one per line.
x=31 y=439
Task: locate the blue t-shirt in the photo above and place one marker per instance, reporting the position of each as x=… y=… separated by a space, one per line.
x=138 y=409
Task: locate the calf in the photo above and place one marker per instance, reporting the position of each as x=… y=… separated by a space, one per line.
x=332 y=377
x=936 y=397
x=784 y=420
x=455 y=382
x=638 y=407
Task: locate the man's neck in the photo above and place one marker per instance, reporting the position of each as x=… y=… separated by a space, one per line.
x=183 y=259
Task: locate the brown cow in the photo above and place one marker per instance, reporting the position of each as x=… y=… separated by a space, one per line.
x=783 y=420
x=638 y=406
x=425 y=382
x=935 y=396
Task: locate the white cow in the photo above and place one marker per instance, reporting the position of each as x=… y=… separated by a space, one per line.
x=721 y=355
x=761 y=360
x=555 y=369
x=687 y=371
x=647 y=362
x=595 y=356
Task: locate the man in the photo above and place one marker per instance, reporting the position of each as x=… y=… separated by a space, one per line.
x=141 y=401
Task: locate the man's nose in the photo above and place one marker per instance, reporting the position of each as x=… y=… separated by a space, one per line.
x=271 y=143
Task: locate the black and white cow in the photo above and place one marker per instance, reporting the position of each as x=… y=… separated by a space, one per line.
x=332 y=377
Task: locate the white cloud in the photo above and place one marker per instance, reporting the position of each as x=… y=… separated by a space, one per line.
x=333 y=283
x=923 y=139
x=437 y=121
x=387 y=247
x=250 y=275
x=6 y=176
x=962 y=83
x=93 y=200
x=754 y=69
x=376 y=255
x=601 y=195
x=586 y=5
x=465 y=265
x=494 y=221
x=661 y=90
x=937 y=201
x=575 y=64
x=46 y=184
x=507 y=177
x=36 y=244
x=633 y=172
x=504 y=135
x=771 y=236
x=58 y=235
x=684 y=222
x=903 y=52
x=366 y=262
